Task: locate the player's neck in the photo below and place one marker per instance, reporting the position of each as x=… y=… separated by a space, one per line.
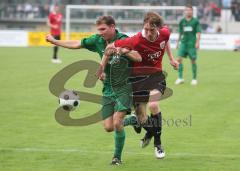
x=112 y=37
x=188 y=18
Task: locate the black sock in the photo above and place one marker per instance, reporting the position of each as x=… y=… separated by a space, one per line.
x=157 y=128
x=148 y=126
x=55 y=50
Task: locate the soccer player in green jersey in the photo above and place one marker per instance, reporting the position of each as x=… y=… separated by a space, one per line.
x=116 y=91
x=188 y=43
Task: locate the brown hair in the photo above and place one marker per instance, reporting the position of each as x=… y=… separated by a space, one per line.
x=189 y=6
x=154 y=19
x=108 y=20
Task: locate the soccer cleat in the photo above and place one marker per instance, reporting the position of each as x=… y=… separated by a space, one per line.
x=179 y=81
x=145 y=141
x=116 y=161
x=56 y=61
x=159 y=152
x=194 y=82
x=137 y=129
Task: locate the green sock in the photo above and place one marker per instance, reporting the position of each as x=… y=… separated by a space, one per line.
x=119 y=137
x=180 y=71
x=131 y=120
x=194 y=71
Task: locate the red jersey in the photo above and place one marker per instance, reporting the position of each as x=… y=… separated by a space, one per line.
x=55 y=19
x=151 y=52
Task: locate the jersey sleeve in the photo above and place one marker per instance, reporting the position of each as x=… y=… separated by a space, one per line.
x=89 y=43
x=198 y=27
x=166 y=32
x=128 y=43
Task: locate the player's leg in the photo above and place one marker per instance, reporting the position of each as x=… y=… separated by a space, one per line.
x=156 y=117
x=119 y=136
x=107 y=113
x=193 y=57
x=55 y=58
x=122 y=106
x=181 y=54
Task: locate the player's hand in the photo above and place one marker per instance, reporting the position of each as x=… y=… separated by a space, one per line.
x=122 y=51
x=100 y=72
x=102 y=77
x=50 y=38
x=175 y=64
x=110 y=51
x=197 y=45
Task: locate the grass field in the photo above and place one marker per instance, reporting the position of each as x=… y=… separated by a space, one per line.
x=31 y=139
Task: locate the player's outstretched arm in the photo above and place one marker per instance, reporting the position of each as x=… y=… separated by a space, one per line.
x=179 y=37
x=197 y=45
x=70 y=44
x=173 y=62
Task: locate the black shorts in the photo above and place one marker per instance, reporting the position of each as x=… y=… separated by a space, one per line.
x=142 y=86
x=57 y=37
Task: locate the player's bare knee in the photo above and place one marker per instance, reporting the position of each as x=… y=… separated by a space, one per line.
x=108 y=128
x=153 y=107
x=117 y=124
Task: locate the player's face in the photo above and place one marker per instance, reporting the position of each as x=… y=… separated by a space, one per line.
x=56 y=9
x=107 y=32
x=188 y=12
x=150 y=32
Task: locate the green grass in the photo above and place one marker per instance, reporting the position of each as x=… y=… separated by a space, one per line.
x=31 y=139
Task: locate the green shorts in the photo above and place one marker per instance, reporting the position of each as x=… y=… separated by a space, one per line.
x=117 y=103
x=185 y=51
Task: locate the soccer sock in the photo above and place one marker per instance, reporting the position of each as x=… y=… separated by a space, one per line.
x=148 y=126
x=194 y=71
x=157 y=128
x=55 y=50
x=180 y=71
x=119 y=137
x=131 y=120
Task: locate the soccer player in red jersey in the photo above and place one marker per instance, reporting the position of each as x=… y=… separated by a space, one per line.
x=149 y=81
x=55 y=23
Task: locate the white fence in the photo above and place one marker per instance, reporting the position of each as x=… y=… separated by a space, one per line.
x=208 y=41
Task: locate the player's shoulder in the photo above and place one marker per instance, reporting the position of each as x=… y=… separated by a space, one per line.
x=121 y=35
x=196 y=19
x=50 y=14
x=164 y=30
x=182 y=20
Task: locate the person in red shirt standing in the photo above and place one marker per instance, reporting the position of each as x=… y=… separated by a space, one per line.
x=148 y=80
x=55 y=23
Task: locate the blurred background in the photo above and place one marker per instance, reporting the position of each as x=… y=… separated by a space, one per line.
x=216 y=16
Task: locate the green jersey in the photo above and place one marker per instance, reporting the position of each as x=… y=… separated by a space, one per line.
x=188 y=30
x=117 y=70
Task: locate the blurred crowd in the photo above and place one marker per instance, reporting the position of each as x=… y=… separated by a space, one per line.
x=207 y=11
x=235 y=10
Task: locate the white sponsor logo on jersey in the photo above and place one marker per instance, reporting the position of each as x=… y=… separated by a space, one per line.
x=162 y=45
x=187 y=28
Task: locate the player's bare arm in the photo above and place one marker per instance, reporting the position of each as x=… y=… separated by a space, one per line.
x=197 y=45
x=179 y=37
x=173 y=62
x=110 y=50
x=70 y=44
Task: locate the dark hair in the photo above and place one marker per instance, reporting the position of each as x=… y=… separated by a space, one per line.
x=154 y=19
x=108 y=20
x=189 y=6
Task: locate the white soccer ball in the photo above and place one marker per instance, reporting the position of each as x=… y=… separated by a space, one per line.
x=69 y=100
